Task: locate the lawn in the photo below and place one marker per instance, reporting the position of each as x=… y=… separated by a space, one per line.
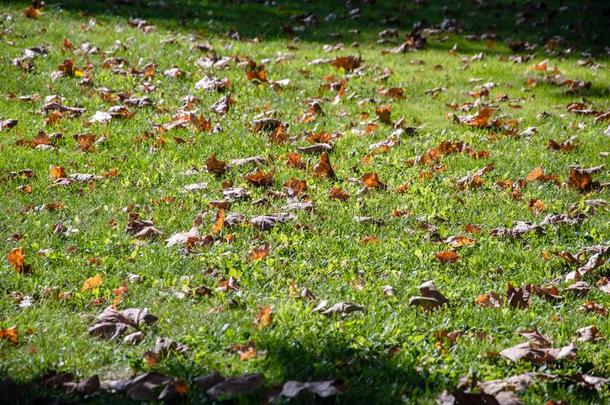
x=390 y=201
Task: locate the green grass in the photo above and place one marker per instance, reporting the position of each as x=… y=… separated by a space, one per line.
x=323 y=250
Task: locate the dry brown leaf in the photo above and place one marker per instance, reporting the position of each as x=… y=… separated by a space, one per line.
x=264 y=316
x=259 y=178
x=384 y=113
x=260 y=252
x=347 y=63
x=430 y=297
x=323 y=167
x=216 y=166
x=256 y=72
x=447 y=256
x=371 y=180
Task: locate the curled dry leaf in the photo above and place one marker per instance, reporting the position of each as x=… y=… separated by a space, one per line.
x=491 y=299
x=497 y=392
x=323 y=167
x=581 y=178
x=236 y=386
x=264 y=316
x=267 y=124
x=219 y=221
x=371 y=180
x=430 y=297
x=111 y=323
x=316 y=148
x=588 y=334
x=255 y=72
x=474 y=179
x=384 y=113
x=322 y=389
x=536 y=353
x=235 y=193
x=139 y=228
x=342 y=308
x=223 y=105
x=216 y=166
x=294 y=160
x=259 y=178
x=338 y=193
x=7 y=124
x=459 y=241
x=267 y=222
x=518 y=297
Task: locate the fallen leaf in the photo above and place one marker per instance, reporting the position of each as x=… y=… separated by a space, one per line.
x=264 y=316
x=260 y=252
x=322 y=389
x=430 y=297
x=236 y=386
x=347 y=63
x=92 y=282
x=323 y=167
x=447 y=256
x=16 y=258
x=111 y=323
x=10 y=334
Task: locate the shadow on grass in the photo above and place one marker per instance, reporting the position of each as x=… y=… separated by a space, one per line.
x=374 y=377
x=582 y=25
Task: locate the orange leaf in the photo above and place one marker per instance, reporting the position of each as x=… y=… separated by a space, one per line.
x=16 y=258
x=295 y=160
x=259 y=178
x=535 y=174
x=92 y=282
x=57 y=172
x=371 y=180
x=260 y=252
x=10 y=334
x=220 y=221
x=447 y=256
x=263 y=319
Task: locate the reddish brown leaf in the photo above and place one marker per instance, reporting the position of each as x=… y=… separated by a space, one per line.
x=447 y=256
x=371 y=180
x=347 y=63
x=259 y=178
x=338 y=193
x=216 y=166
x=255 y=72
x=323 y=167
x=384 y=113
